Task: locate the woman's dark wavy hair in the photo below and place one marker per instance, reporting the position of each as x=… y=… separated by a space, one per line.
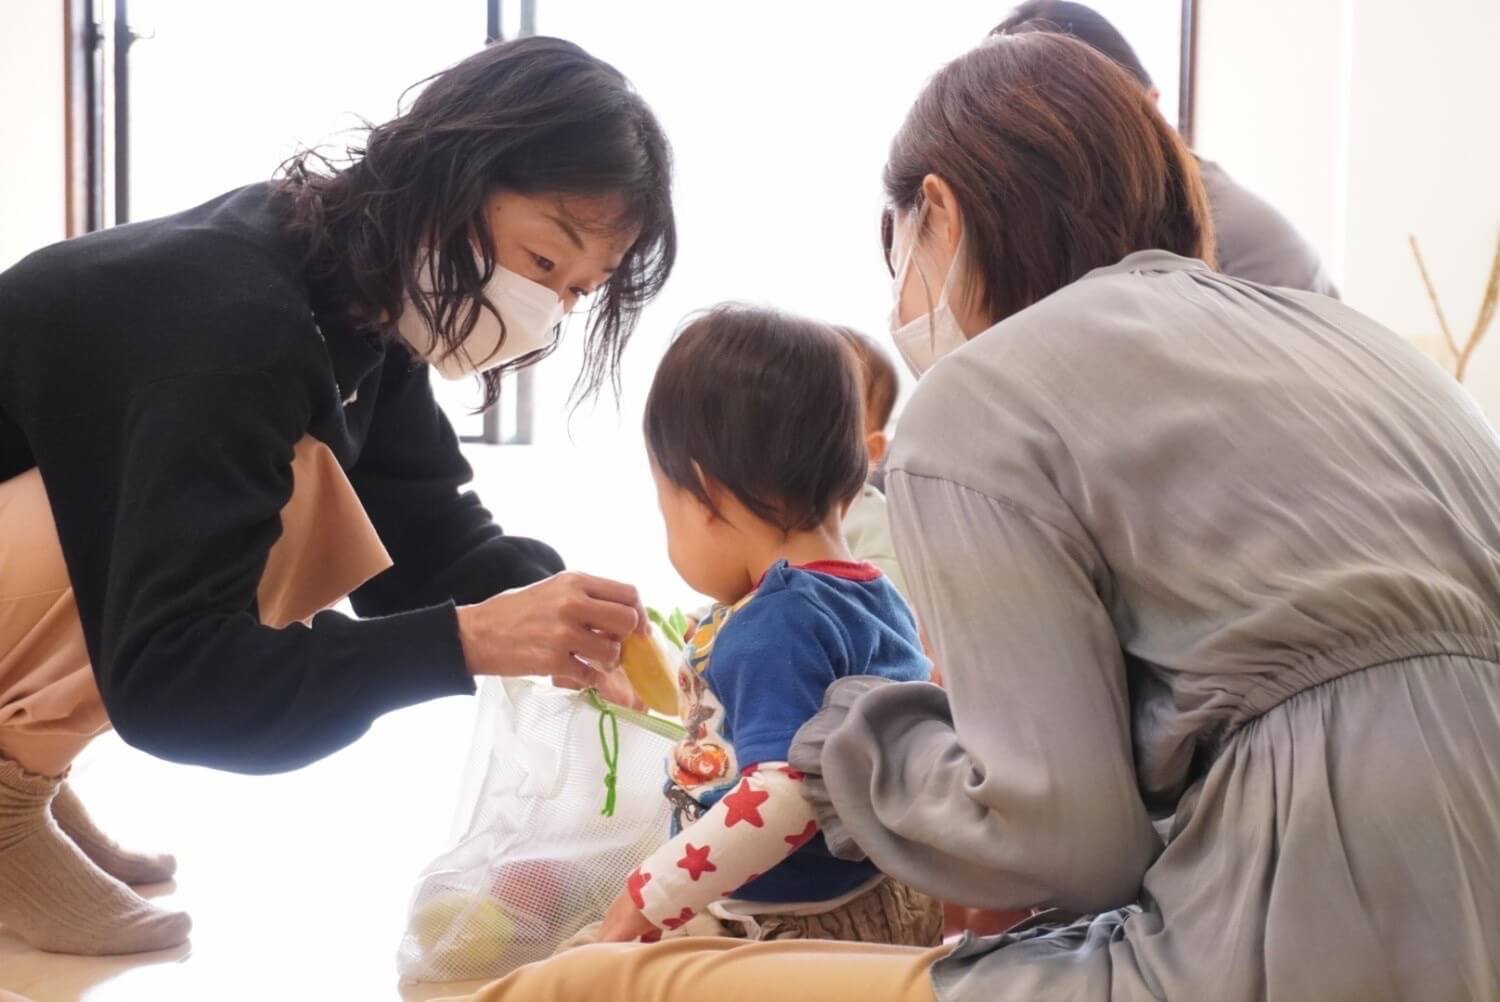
x=535 y=116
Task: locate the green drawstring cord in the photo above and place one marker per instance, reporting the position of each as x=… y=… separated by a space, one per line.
x=609 y=741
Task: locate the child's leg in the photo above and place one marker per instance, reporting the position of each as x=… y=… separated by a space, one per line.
x=725 y=970
x=889 y=913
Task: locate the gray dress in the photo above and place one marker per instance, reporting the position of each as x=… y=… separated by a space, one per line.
x=1191 y=547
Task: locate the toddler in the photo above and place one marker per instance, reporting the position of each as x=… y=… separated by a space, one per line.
x=755 y=428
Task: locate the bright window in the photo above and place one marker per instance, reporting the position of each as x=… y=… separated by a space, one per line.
x=780 y=114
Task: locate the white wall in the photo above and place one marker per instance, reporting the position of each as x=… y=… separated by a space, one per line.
x=1268 y=108
x=1364 y=121
x=1424 y=146
x=33 y=150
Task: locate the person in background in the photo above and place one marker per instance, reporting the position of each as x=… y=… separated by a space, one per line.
x=867 y=529
x=1254 y=241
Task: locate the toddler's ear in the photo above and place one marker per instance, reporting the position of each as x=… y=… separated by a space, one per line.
x=876 y=444
x=717 y=493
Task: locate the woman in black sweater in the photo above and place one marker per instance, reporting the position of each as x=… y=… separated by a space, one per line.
x=226 y=415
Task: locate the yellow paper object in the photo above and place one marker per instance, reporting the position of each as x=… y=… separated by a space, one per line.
x=650 y=672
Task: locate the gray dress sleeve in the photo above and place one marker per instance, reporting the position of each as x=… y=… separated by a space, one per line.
x=1016 y=787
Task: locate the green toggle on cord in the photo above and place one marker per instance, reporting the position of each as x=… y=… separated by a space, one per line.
x=610 y=742
x=673 y=627
x=609 y=739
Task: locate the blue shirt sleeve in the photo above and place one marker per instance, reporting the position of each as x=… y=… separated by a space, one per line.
x=769 y=668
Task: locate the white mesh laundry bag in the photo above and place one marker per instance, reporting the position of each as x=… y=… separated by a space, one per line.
x=537 y=860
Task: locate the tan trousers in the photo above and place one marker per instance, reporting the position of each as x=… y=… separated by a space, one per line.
x=725 y=970
x=49 y=704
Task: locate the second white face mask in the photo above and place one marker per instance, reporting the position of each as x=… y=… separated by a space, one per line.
x=926 y=338
x=531 y=313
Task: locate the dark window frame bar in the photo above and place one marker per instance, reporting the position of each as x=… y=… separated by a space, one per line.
x=1187 y=74
x=525 y=380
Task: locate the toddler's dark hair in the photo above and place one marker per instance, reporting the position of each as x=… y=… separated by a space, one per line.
x=768 y=405
x=877 y=374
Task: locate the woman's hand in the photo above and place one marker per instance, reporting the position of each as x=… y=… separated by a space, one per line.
x=568 y=626
x=958 y=920
x=624 y=923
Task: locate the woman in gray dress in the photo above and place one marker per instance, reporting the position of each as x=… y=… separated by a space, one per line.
x=1185 y=547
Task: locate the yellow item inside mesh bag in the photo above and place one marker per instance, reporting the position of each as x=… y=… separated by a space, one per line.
x=465 y=931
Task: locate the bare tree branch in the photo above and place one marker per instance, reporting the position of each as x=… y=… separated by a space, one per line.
x=1433 y=298
x=1487 y=307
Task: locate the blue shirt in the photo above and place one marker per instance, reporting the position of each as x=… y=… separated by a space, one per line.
x=757 y=672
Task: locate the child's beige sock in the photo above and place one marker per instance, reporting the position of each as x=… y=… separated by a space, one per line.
x=125 y=866
x=53 y=897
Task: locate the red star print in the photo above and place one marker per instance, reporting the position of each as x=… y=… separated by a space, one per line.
x=695 y=861
x=793 y=773
x=637 y=881
x=744 y=805
x=680 y=921
x=803 y=837
x=654 y=936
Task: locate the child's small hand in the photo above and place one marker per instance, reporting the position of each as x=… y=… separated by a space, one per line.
x=624 y=923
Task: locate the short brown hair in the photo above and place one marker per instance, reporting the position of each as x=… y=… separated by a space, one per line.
x=766 y=404
x=877 y=375
x=1060 y=164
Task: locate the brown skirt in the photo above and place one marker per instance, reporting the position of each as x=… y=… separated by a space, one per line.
x=49 y=703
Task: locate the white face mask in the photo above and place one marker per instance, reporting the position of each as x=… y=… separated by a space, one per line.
x=927 y=338
x=531 y=313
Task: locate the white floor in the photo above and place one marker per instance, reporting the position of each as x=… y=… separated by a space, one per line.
x=297 y=884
